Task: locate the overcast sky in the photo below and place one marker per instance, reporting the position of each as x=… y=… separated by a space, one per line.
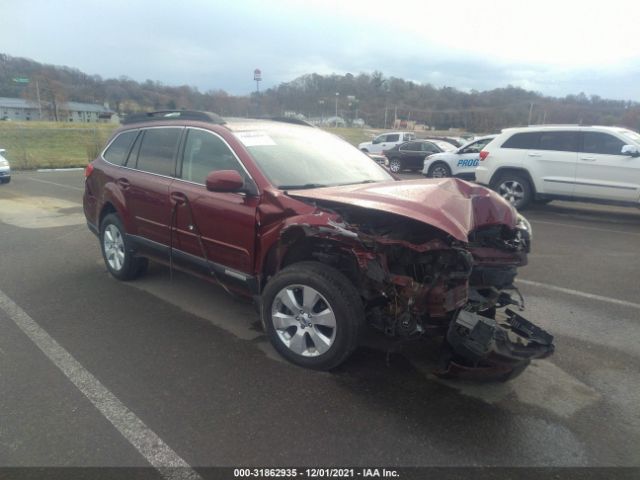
x=555 y=47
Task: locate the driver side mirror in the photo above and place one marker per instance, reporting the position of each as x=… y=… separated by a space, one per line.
x=229 y=181
x=630 y=150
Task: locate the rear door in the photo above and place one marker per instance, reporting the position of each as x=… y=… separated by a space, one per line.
x=604 y=172
x=218 y=227
x=145 y=183
x=550 y=156
x=412 y=155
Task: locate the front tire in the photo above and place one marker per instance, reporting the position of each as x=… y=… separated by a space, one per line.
x=313 y=315
x=116 y=251
x=515 y=189
x=395 y=165
x=439 y=170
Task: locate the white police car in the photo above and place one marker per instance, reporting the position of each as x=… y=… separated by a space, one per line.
x=458 y=163
x=5 y=170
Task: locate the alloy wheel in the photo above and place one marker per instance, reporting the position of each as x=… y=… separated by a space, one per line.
x=113 y=247
x=303 y=320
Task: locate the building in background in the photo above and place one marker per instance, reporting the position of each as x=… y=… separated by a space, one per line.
x=19 y=109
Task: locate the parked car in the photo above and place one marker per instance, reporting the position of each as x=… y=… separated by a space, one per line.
x=5 y=169
x=385 y=141
x=411 y=155
x=323 y=239
x=460 y=163
x=569 y=162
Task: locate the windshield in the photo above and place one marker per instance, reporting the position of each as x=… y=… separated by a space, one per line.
x=302 y=157
x=631 y=135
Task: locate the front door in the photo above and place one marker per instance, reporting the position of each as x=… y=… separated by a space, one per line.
x=219 y=227
x=604 y=172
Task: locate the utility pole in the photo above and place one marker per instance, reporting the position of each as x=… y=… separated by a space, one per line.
x=530 y=111
x=39 y=104
x=337 y=95
x=395 y=116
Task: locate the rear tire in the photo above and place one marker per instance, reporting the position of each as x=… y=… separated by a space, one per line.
x=515 y=189
x=313 y=315
x=5 y=180
x=117 y=253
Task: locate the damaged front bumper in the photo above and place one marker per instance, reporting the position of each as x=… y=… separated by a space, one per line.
x=478 y=347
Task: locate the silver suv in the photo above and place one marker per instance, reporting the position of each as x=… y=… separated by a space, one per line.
x=569 y=162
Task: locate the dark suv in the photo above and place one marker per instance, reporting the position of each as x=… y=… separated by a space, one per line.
x=321 y=237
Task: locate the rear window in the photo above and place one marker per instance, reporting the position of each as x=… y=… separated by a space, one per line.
x=158 y=150
x=119 y=148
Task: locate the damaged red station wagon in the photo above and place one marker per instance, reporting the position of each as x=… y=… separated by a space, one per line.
x=326 y=241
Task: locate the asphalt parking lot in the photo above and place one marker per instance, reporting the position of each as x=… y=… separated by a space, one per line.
x=96 y=372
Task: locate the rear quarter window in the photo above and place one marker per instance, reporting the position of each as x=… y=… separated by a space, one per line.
x=526 y=140
x=118 y=151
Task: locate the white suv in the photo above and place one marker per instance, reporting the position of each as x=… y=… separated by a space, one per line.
x=385 y=141
x=542 y=163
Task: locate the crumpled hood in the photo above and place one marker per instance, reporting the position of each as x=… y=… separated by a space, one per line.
x=452 y=205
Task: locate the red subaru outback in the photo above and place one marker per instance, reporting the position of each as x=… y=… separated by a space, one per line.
x=325 y=240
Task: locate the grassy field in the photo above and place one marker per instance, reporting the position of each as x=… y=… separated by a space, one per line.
x=32 y=145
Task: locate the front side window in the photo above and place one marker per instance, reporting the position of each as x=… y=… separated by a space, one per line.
x=602 y=143
x=393 y=138
x=204 y=153
x=158 y=149
x=119 y=148
x=475 y=147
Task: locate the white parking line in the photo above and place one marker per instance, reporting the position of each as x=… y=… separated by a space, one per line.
x=54 y=183
x=578 y=293
x=606 y=230
x=168 y=463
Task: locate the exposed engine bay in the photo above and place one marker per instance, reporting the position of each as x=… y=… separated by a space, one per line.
x=416 y=280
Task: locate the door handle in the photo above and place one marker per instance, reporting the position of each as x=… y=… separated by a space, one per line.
x=535 y=154
x=123 y=183
x=588 y=159
x=178 y=197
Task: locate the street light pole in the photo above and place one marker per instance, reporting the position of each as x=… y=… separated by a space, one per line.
x=337 y=95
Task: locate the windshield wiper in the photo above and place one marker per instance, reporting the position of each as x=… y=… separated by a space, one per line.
x=301 y=187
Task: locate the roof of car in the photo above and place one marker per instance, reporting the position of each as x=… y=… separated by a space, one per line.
x=206 y=117
x=559 y=127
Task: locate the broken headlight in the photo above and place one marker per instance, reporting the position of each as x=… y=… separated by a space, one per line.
x=524 y=226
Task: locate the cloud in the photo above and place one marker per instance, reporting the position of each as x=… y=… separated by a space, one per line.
x=548 y=46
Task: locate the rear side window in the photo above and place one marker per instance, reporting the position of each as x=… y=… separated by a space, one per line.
x=119 y=148
x=411 y=146
x=204 y=152
x=430 y=147
x=527 y=140
x=158 y=149
x=559 y=141
x=603 y=143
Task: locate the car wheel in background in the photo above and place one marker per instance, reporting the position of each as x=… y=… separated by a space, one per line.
x=439 y=170
x=313 y=315
x=5 y=180
x=117 y=254
x=514 y=188
x=395 y=165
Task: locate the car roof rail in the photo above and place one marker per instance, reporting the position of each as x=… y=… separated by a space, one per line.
x=164 y=115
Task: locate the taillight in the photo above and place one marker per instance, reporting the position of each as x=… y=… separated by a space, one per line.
x=88 y=171
x=483 y=155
